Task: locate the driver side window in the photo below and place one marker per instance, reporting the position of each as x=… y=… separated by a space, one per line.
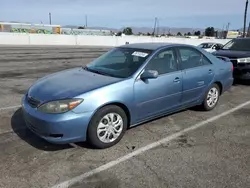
x=163 y=62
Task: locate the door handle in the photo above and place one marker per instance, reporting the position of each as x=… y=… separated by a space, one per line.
x=210 y=71
x=177 y=79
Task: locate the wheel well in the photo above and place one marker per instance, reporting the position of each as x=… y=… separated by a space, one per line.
x=124 y=107
x=220 y=86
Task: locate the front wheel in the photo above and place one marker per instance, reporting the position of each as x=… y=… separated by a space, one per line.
x=107 y=127
x=211 y=98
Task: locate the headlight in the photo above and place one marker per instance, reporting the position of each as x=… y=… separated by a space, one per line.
x=243 y=60
x=60 y=106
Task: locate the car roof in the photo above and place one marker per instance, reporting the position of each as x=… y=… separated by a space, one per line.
x=210 y=43
x=151 y=45
x=207 y=43
x=247 y=38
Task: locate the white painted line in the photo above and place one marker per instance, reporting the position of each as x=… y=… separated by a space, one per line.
x=146 y=148
x=10 y=107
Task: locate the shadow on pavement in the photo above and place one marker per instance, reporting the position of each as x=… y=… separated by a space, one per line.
x=18 y=126
x=157 y=118
x=241 y=82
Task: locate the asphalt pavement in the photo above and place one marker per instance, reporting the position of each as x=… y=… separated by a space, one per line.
x=215 y=155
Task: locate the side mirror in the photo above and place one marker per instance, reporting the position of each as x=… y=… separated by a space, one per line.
x=149 y=74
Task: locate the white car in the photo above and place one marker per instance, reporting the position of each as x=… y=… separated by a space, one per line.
x=210 y=46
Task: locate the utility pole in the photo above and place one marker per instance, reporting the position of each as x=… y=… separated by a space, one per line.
x=86 y=21
x=50 y=18
x=226 y=30
x=157 y=27
x=248 y=30
x=245 y=19
x=223 y=33
x=227 y=26
x=154 y=26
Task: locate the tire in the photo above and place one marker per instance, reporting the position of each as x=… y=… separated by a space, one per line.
x=210 y=106
x=103 y=115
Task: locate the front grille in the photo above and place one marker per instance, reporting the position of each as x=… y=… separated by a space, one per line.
x=241 y=64
x=33 y=102
x=245 y=71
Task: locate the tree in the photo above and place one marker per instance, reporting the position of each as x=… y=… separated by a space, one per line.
x=189 y=34
x=128 y=31
x=197 y=33
x=119 y=33
x=81 y=27
x=209 y=32
x=179 y=34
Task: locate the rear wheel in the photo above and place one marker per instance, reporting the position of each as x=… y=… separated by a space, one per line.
x=211 y=98
x=107 y=127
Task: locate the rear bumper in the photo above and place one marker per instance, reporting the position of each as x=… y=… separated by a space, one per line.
x=56 y=128
x=228 y=85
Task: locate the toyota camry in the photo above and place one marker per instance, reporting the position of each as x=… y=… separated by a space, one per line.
x=124 y=87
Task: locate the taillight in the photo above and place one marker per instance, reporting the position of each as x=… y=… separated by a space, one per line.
x=232 y=67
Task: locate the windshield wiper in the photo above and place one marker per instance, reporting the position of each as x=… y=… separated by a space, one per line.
x=95 y=71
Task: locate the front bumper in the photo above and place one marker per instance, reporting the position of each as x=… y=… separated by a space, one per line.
x=242 y=71
x=56 y=128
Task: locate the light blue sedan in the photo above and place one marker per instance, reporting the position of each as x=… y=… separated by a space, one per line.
x=124 y=87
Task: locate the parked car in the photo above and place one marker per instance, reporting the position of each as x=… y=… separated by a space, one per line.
x=124 y=87
x=210 y=46
x=238 y=51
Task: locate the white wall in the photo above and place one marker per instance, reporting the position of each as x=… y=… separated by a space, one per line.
x=96 y=40
x=42 y=39
x=15 y=39
x=36 y=39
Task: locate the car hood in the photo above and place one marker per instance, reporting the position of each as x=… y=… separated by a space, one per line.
x=68 y=84
x=232 y=54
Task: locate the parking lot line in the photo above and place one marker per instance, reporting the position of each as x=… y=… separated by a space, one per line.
x=141 y=150
x=9 y=107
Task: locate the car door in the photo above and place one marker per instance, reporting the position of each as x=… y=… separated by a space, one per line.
x=155 y=96
x=197 y=73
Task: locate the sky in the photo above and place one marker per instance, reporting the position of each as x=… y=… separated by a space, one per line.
x=123 y=13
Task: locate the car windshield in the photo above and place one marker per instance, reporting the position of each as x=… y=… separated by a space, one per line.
x=119 y=62
x=237 y=45
x=206 y=45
